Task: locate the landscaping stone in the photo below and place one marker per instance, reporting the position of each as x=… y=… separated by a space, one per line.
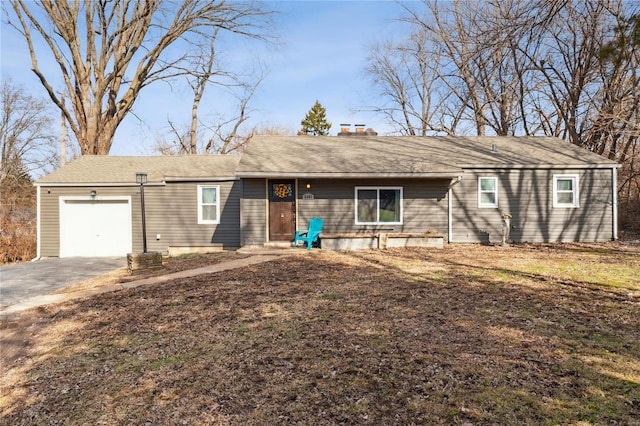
x=144 y=261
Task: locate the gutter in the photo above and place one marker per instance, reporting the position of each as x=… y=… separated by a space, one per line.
x=130 y=184
x=506 y=167
x=38 y=207
x=450 y=208
x=200 y=179
x=96 y=184
x=341 y=175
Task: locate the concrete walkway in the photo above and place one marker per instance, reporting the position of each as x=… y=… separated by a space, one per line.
x=57 y=298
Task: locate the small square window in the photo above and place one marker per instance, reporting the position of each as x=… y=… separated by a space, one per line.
x=208 y=204
x=488 y=192
x=565 y=191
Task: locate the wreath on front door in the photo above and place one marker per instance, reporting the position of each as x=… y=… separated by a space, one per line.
x=282 y=190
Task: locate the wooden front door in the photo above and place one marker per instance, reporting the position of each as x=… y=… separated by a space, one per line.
x=282 y=208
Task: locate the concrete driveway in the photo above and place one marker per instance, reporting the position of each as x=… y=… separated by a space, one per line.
x=23 y=281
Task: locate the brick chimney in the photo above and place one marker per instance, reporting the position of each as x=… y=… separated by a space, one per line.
x=345 y=130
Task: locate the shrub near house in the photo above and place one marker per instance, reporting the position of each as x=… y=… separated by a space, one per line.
x=17 y=221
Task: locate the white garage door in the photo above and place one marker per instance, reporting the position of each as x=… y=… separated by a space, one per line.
x=100 y=227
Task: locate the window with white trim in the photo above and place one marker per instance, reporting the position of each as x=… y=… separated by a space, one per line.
x=565 y=191
x=378 y=205
x=487 y=192
x=208 y=204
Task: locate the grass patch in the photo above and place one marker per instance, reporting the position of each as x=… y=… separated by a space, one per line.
x=591 y=271
x=331 y=296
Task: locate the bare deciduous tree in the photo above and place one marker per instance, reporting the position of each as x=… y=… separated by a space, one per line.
x=512 y=67
x=28 y=149
x=407 y=77
x=108 y=51
x=563 y=68
x=26 y=136
x=221 y=134
x=226 y=133
x=274 y=130
x=455 y=71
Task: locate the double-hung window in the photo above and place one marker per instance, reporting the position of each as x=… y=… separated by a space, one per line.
x=487 y=192
x=565 y=191
x=378 y=205
x=208 y=204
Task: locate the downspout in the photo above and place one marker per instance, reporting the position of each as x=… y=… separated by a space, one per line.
x=614 y=174
x=450 y=213
x=295 y=205
x=38 y=207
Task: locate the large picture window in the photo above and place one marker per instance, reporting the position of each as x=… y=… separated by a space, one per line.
x=208 y=204
x=488 y=192
x=565 y=191
x=378 y=205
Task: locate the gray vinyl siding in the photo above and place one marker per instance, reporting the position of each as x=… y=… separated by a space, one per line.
x=50 y=212
x=171 y=211
x=49 y=222
x=424 y=205
x=254 y=212
x=527 y=195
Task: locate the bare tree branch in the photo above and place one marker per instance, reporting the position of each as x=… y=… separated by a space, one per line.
x=26 y=137
x=125 y=47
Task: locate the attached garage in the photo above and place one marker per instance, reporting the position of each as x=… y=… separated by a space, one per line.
x=95 y=227
x=92 y=206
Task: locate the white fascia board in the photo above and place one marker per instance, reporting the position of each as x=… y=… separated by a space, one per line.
x=505 y=167
x=437 y=175
x=201 y=179
x=97 y=184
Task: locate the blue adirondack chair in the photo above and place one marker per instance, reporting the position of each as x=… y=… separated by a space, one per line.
x=309 y=236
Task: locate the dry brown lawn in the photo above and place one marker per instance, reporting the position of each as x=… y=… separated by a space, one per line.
x=468 y=335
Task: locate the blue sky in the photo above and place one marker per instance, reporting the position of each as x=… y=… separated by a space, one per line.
x=321 y=54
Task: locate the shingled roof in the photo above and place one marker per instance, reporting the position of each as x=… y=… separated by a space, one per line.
x=122 y=170
x=390 y=156
x=309 y=156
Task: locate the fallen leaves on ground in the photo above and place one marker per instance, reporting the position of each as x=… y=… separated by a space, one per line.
x=470 y=335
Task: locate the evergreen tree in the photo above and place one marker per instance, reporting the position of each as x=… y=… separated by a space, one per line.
x=315 y=123
x=16 y=184
x=14 y=169
x=627 y=39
